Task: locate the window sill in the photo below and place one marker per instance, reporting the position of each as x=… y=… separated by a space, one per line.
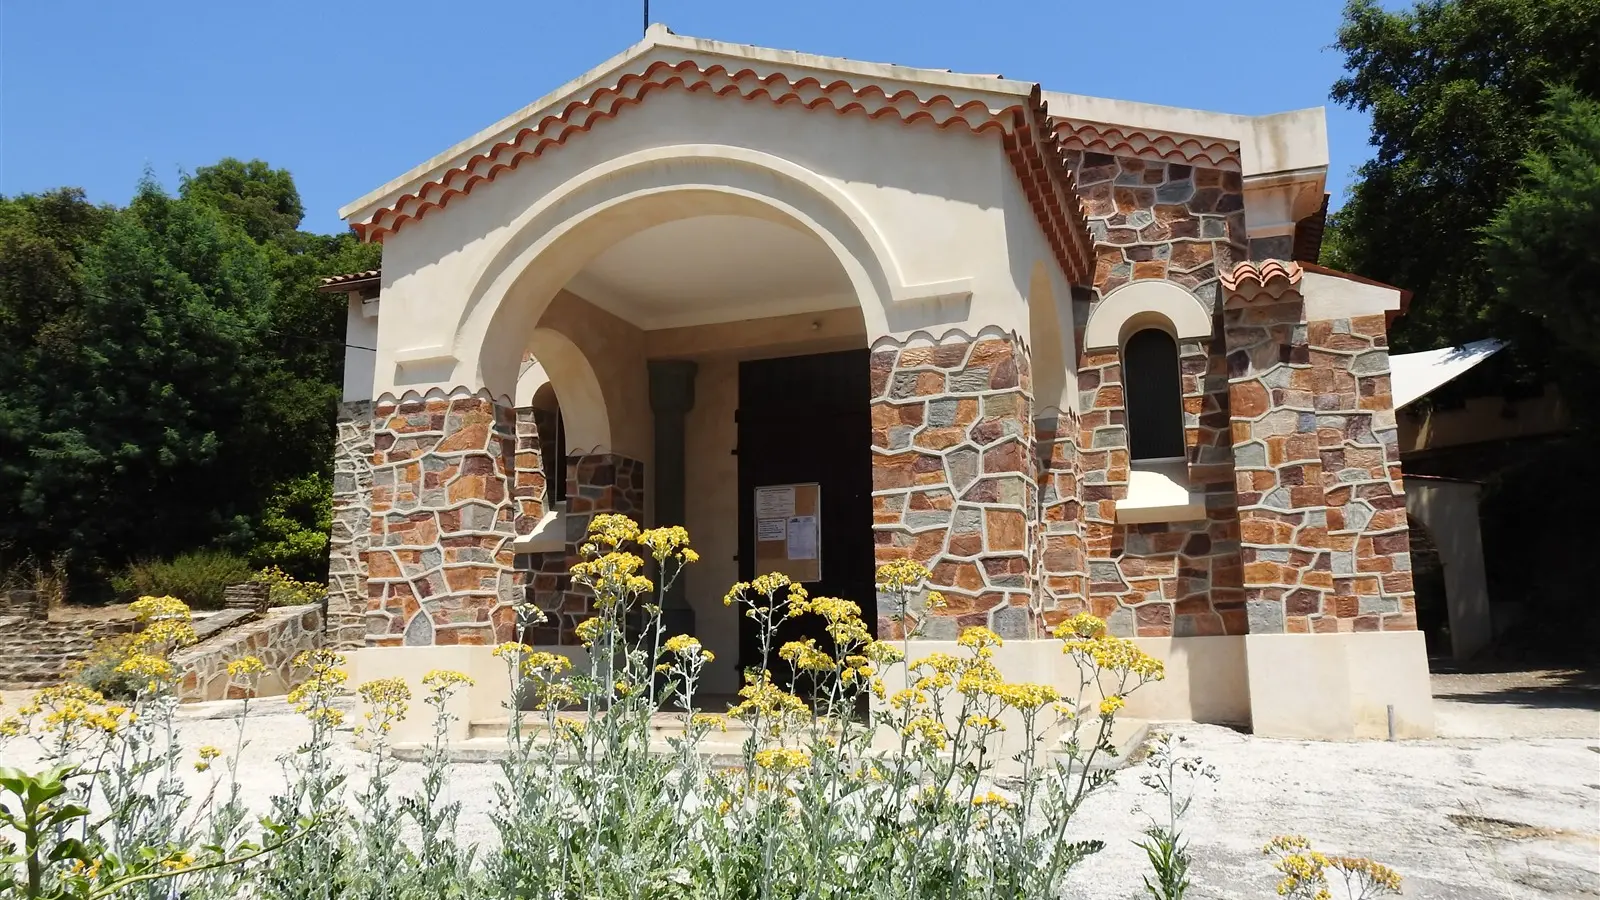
x=549 y=535
x=1158 y=491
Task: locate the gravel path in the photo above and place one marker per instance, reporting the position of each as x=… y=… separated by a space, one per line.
x=1465 y=816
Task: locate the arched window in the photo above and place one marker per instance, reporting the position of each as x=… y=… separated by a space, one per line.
x=1154 y=395
x=552 y=442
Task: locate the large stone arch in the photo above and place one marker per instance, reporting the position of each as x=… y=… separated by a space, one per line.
x=551 y=242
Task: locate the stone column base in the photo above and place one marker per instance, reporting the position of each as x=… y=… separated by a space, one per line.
x=1314 y=686
x=1339 y=686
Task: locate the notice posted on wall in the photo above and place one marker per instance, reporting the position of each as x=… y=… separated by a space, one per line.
x=775 y=503
x=802 y=537
x=788 y=526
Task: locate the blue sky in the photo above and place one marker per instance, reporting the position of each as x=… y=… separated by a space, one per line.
x=347 y=95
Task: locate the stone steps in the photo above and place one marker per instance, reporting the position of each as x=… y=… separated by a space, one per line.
x=36 y=653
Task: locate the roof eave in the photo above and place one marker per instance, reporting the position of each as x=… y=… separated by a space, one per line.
x=659 y=36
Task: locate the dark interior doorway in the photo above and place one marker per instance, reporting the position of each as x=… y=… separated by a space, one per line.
x=805 y=419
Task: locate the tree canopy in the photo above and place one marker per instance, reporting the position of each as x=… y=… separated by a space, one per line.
x=1483 y=196
x=1458 y=91
x=171 y=373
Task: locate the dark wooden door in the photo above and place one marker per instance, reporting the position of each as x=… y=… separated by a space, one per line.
x=806 y=419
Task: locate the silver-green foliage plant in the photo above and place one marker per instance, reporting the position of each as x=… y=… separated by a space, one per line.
x=864 y=772
x=616 y=785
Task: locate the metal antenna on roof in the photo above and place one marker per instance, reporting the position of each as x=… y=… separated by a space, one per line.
x=647 y=15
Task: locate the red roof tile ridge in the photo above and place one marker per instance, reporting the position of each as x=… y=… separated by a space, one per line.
x=1160 y=146
x=1030 y=142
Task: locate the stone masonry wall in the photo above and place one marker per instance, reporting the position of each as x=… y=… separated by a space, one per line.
x=1358 y=442
x=352 y=526
x=596 y=483
x=1278 y=467
x=1184 y=224
x=439 y=567
x=276 y=639
x=952 y=473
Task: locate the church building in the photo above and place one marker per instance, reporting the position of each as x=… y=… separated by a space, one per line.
x=1070 y=353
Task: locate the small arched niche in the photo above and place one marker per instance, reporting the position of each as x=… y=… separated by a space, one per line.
x=546 y=408
x=1152 y=387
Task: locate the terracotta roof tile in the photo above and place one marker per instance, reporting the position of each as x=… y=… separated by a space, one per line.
x=1267 y=281
x=349 y=281
x=1154 y=146
x=1030 y=142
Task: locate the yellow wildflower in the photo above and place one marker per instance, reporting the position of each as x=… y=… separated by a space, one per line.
x=805 y=656
x=588 y=631
x=153 y=609
x=991 y=799
x=444 y=680
x=709 y=720
x=207 y=754
x=928 y=730
x=511 y=651
x=246 y=666
x=613 y=530
x=544 y=665
x=153 y=669
x=387 y=699
x=177 y=862
x=1110 y=705
x=1026 y=696
x=666 y=541
x=782 y=759
x=901 y=575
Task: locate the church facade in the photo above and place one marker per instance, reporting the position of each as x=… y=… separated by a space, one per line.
x=1070 y=353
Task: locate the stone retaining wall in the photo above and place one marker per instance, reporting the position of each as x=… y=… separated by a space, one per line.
x=276 y=638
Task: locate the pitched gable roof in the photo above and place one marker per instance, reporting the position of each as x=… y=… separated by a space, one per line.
x=1012 y=110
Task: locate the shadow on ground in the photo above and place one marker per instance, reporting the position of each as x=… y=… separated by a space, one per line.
x=1515 y=685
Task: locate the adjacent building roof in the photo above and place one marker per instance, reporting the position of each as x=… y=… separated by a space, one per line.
x=353 y=281
x=1413 y=376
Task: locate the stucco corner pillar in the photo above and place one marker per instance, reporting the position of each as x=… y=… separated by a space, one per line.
x=953 y=478
x=439 y=561
x=671 y=398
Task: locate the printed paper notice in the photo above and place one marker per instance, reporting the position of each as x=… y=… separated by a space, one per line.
x=771 y=529
x=775 y=502
x=802 y=537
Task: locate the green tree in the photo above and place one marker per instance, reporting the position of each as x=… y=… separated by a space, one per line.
x=1455 y=89
x=1542 y=247
x=172 y=373
x=135 y=416
x=262 y=200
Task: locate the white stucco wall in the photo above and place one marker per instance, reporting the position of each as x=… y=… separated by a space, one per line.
x=360 y=357
x=945 y=205
x=1449 y=509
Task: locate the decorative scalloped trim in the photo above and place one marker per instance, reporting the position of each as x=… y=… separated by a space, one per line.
x=1029 y=142
x=1267 y=281
x=923 y=337
x=1095 y=137
x=436 y=393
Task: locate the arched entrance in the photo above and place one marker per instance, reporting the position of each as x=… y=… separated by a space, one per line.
x=682 y=368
